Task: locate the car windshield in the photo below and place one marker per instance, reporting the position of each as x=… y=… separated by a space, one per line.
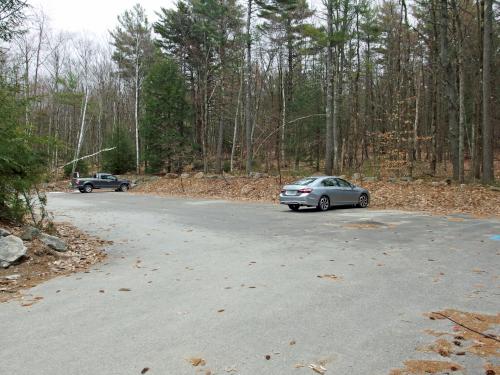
x=305 y=181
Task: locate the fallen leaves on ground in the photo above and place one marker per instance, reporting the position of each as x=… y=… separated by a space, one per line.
x=473 y=329
x=470 y=334
x=41 y=263
x=197 y=361
x=330 y=277
x=418 y=367
x=412 y=196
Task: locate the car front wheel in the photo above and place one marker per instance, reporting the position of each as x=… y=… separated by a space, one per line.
x=293 y=207
x=324 y=203
x=363 y=201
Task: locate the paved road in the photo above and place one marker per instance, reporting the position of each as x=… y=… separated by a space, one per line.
x=259 y=263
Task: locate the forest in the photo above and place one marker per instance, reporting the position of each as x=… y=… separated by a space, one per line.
x=384 y=88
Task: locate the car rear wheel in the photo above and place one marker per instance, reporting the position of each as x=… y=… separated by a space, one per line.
x=123 y=187
x=87 y=188
x=293 y=207
x=323 y=203
x=363 y=201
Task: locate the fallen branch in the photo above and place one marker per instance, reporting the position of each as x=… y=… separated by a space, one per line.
x=88 y=156
x=492 y=337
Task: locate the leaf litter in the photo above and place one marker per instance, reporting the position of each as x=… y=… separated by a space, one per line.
x=41 y=263
x=440 y=199
x=470 y=334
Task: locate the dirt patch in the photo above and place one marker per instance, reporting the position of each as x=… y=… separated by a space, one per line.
x=418 y=367
x=470 y=334
x=367 y=225
x=491 y=369
x=475 y=200
x=472 y=331
x=41 y=263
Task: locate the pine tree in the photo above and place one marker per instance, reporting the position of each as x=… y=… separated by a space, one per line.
x=166 y=109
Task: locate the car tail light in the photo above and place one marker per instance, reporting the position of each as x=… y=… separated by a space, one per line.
x=305 y=190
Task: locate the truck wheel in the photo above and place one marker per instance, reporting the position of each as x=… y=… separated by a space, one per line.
x=123 y=187
x=87 y=188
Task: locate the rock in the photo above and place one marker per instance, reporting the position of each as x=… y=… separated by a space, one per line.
x=199 y=175
x=11 y=249
x=171 y=175
x=29 y=233
x=392 y=179
x=54 y=242
x=419 y=181
x=406 y=179
x=356 y=176
x=4 y=232
x=370 y=179
x=257 y=175
x=438 y=183
x=185 y=175
x=213 y=176
x=343 y=176
x=494 y=188
x=12 y=277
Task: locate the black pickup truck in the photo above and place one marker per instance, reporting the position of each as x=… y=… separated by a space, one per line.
x=100 y=181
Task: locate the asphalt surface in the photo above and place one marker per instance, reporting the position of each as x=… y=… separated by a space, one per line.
x=235 y=282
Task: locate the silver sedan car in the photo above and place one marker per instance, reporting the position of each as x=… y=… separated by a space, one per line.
x=323 y=192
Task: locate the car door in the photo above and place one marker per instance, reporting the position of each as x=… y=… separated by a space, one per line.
x=113 y=182
x=348 y=193
x=329 y=186
x=104 y=181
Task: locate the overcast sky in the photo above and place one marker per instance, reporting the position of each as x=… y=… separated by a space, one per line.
x=96 y=16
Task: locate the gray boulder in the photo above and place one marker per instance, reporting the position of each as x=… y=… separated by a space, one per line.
x=356 y=176
x=4 y=232
x=199 y=175
x=29 y=233
x=11 y=249
x=185 y=175
x=54 y=242
x=370 y=179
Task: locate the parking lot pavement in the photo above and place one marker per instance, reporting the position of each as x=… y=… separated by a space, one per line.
x=244 y=288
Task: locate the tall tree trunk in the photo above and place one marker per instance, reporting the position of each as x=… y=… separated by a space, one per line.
x=82 y=131
x=450 y=89
x=329 y=92
x=235 y=130
x=337 y=100
x=220 y=133
x=248 y=89
x=136 y=110
x=487 y=130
